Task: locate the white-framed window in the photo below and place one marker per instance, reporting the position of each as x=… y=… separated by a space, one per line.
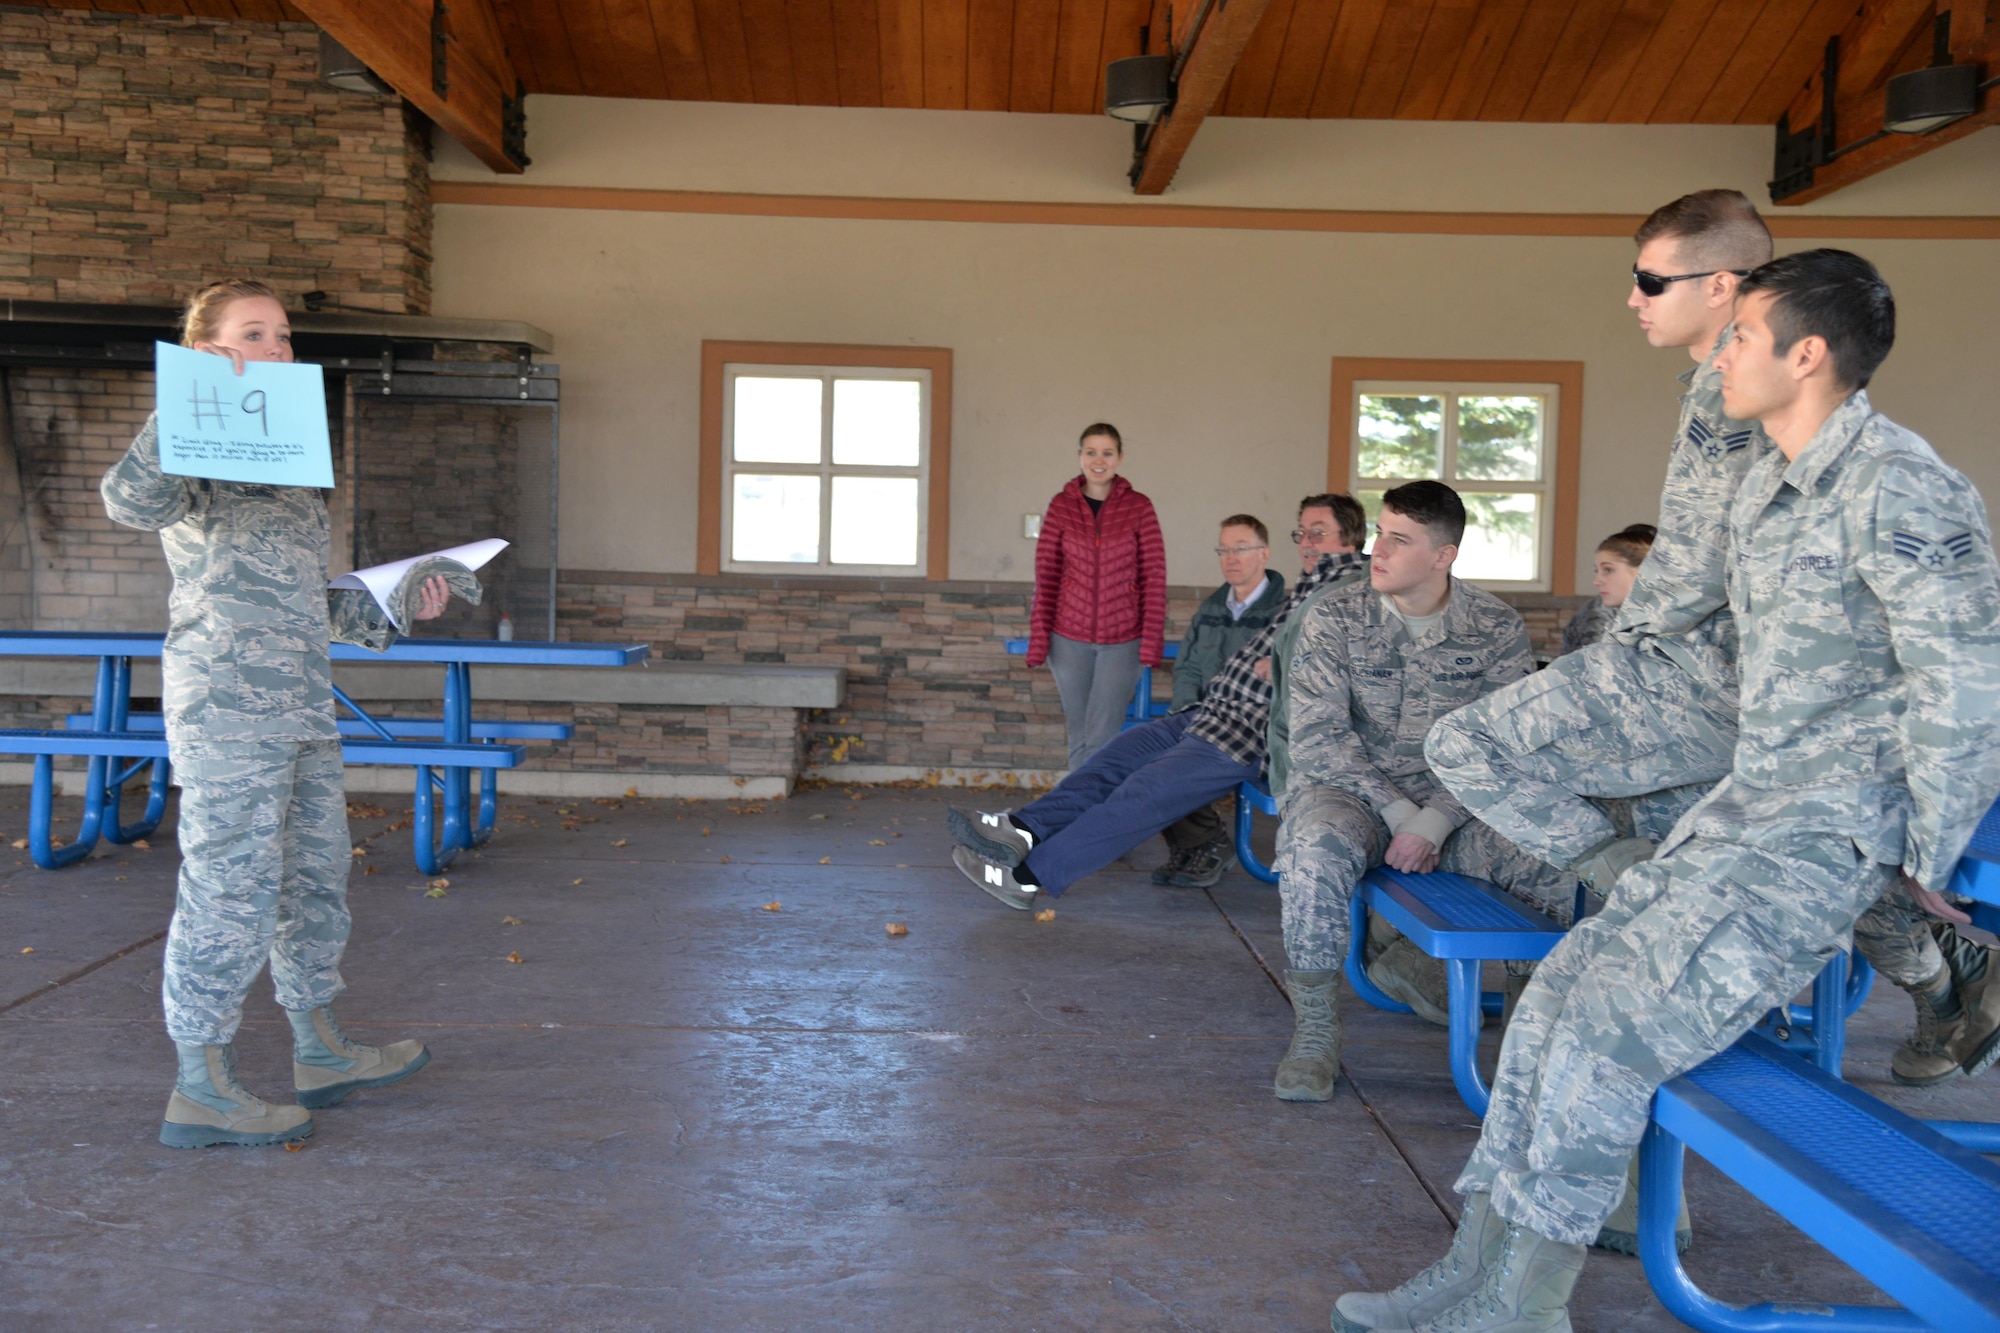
x=825 y=468
x=1492 y=443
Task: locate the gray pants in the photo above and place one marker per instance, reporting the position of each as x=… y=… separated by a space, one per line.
x=1096 y=681
x=264 y=865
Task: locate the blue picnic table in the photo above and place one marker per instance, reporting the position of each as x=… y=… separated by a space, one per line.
x=444 y=751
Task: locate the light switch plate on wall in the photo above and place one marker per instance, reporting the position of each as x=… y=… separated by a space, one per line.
x=1031 y=526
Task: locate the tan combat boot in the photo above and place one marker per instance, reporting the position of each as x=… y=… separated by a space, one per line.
x=326 y=1066
x=1311 y=1065
x=1524 y=1290
x=209 y=1106
x=1958 y=1027
x=1474 y=1247
x=1405 y=972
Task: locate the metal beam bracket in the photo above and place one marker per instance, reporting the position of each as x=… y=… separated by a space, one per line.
x=440 y=42
x=514 y=125
x=1798 y=153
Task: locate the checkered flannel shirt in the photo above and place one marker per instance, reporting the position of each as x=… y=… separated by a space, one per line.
x=1235 y=711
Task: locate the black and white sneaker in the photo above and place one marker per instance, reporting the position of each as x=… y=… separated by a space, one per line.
x=1205 y=865
x=996 y=880
x=995 y=837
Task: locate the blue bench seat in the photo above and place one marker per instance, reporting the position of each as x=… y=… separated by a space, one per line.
x=402 y=728
x=1914 y=1212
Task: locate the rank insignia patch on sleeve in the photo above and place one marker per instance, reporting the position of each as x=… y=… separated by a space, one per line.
x=1713 y=443
x=1934 y=556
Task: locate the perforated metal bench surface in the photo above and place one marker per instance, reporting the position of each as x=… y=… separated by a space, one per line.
x=1456 y=916
x=1914 y=1213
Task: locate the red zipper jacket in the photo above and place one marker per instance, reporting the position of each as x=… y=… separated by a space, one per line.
x=1099 y=577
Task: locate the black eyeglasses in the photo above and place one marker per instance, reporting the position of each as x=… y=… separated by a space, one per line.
x=1653 y=284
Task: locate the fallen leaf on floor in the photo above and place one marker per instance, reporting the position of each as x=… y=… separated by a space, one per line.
x=704 y=830
x=569 y=826
x=510 y=920
x=440 y=883
x=1046 y=914
x=143 y=845
x=621 y=842
x=369 y=870
x=513 y=957
x=575 y=882
x=20 y=844
x=295 y=1146
x=359 y=851
x=121 y=879
x=902 y=865
x=564 y=810
x=826 y=860
x=631 y=791
x=725 y=860
x=895 y=835
x=878 y=842
x=29 y=949
x=815 y=816
x=896 y=930
x=774 y=906
x=433 y=893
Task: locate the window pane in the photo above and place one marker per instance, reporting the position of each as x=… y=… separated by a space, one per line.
x=1501 y=533
x=1500 y=439
x=775 y=518
x=776 y=420
x=874 y=520
x=875 y=424
x=1401 y=435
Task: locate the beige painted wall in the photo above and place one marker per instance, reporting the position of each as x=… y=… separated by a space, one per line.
x=1209 y=348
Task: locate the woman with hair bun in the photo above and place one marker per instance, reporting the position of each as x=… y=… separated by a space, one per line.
x=248 y=697
x=1618 y=559
x=1100 y=602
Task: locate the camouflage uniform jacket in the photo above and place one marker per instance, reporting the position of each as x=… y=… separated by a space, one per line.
x=1363 y=696
x=1864 y=582
x=1278 y=734
x=250 y=616
x=1679 y=605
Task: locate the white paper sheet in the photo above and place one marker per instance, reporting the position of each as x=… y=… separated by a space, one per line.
x=380 y=581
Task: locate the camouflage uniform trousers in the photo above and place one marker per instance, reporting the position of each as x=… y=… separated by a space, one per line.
x=1692 y=949
x=1544 y=760
x=1330 y=838
x=264 y=866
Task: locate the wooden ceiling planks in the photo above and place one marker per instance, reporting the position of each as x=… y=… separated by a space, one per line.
x=1583 y=61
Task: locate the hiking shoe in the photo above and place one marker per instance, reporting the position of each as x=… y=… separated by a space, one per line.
x=1176 y=862
x=1312 y=1062
x=996 y=837
x=326 y=1066
x=1205 y=865
x=996 y=880
x=1967 y=1043
x=210 y=1107
x=1474 y=1247
x=1405 y=972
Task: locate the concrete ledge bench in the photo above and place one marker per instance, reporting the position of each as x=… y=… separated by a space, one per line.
x=1900 y=1202
x=105 y=781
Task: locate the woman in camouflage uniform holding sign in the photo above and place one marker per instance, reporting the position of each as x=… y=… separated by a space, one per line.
x=250 y=730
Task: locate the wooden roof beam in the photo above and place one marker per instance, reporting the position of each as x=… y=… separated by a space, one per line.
x=1843 y=140
x=446 y=59
x=1225 y=31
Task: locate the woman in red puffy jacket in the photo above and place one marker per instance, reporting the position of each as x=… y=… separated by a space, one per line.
x=1100 y=600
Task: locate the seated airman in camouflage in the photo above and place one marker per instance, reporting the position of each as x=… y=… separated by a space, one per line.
x=1373 y=667
x=250 y=730
x=1867 y=599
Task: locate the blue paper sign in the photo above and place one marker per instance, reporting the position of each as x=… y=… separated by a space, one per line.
x=266 y=426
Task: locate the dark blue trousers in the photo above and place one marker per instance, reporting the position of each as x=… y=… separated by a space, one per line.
x=1145 y=779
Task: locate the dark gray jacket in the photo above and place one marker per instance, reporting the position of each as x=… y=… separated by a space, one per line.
x=1212 y=638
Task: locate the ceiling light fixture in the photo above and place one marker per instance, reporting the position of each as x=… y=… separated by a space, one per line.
x=1139 y=88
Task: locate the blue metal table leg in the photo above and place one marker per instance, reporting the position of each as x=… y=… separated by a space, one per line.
x=1979 y=1135
x=116 y=775
x=1462 y=985
x=1256 y=869
x=1660 y=1162
x=1355 y=965
x=433 y=852
x=459 y=815
x=41 y=813
x=1829 y=1017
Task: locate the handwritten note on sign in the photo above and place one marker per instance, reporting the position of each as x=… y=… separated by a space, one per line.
x=266 y=426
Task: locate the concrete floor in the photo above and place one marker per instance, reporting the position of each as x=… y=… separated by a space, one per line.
x=681 y=1111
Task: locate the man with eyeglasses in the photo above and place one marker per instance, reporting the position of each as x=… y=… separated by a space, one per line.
x=1250 y=598
x=1153 y=774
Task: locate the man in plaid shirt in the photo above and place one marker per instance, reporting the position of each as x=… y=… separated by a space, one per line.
x=1152 y=774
